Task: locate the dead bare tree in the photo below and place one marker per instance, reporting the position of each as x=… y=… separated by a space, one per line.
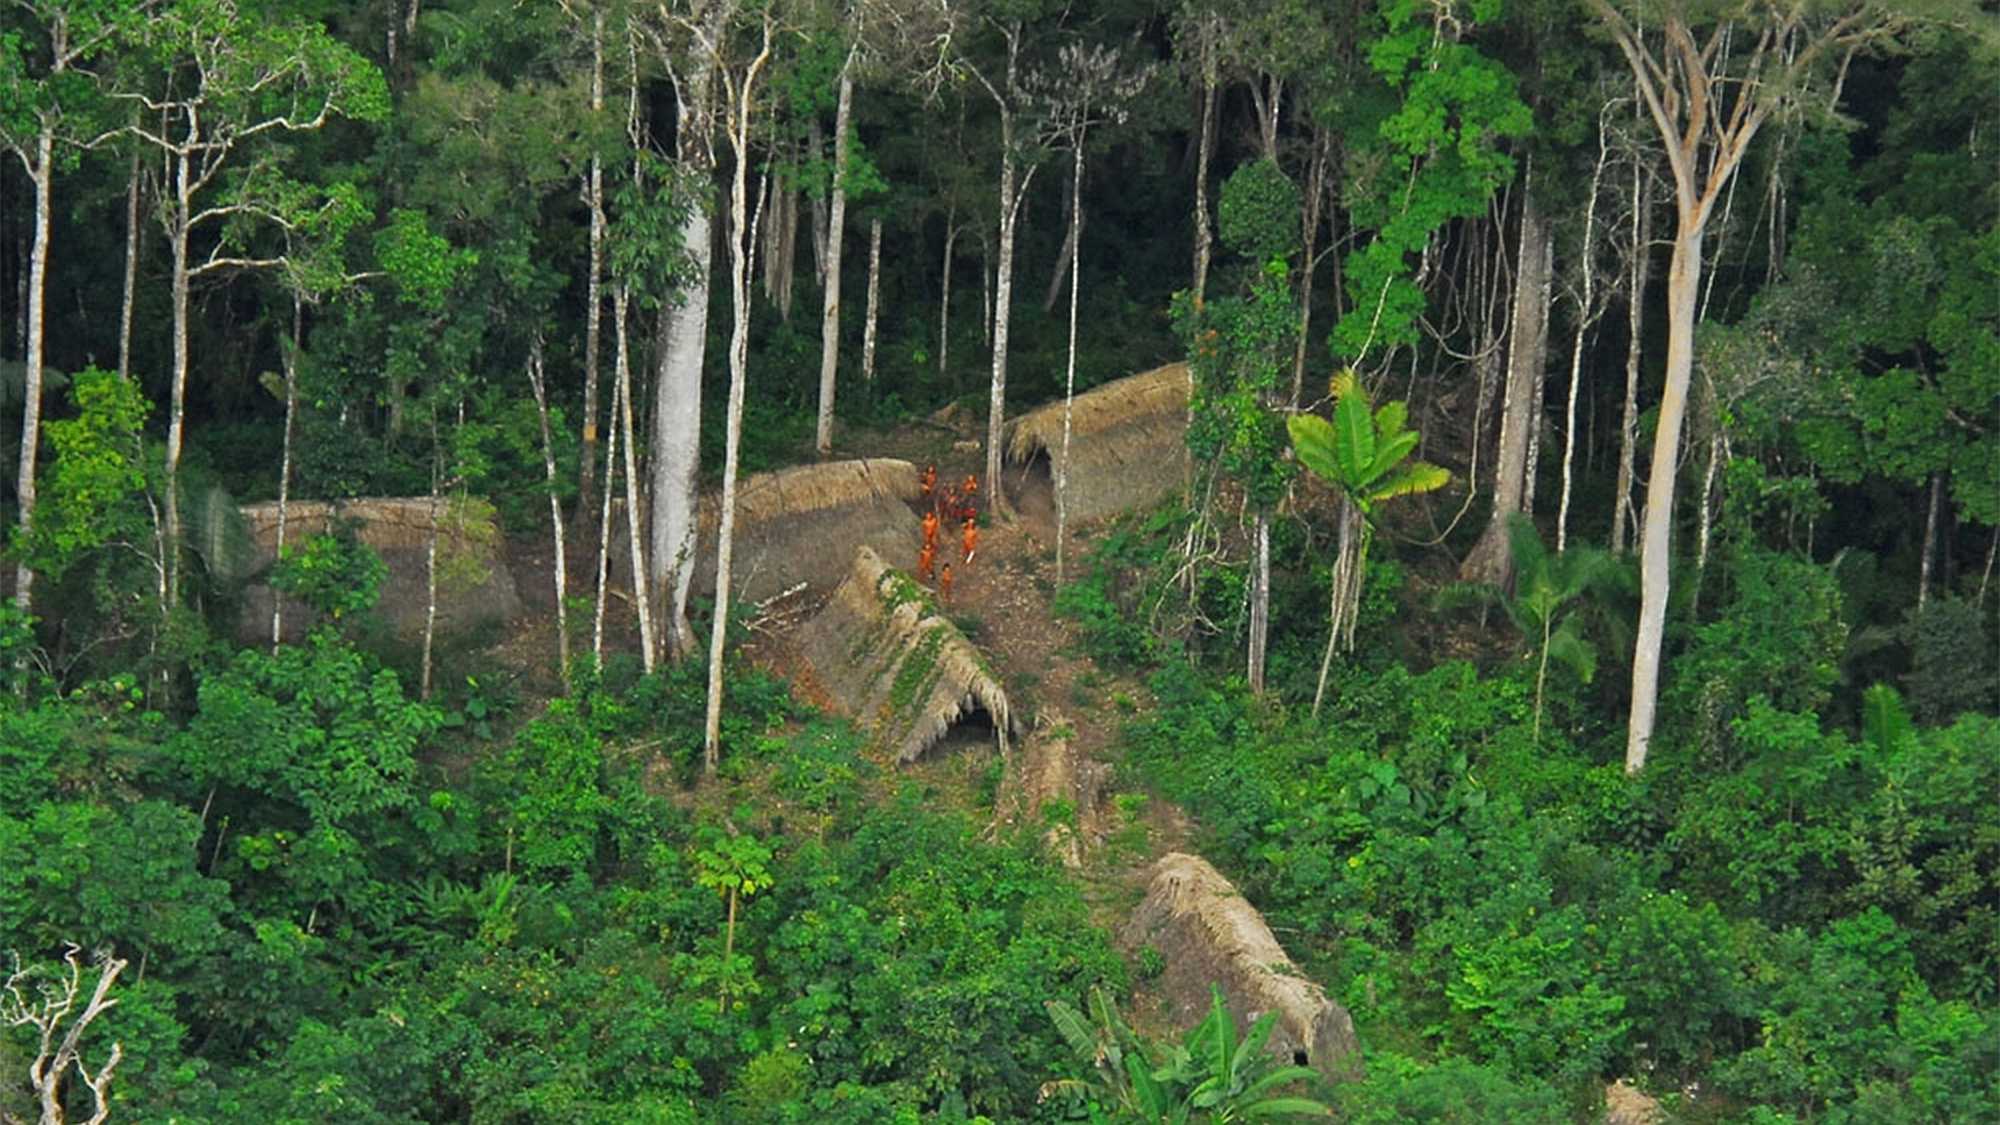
x=45 y=998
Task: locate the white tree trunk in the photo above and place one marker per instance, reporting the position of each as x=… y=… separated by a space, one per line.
x=944 y=292
x=874 y=316
x=1069 y=374
x=1586 y=315
x=285 y=462
x=1013 y=190
x=739 y=363
x=540 y=387
x=43 y=175
x=593 y=328
x=132 y=230
x=1260 y=603
x=621 y=305
x=682 y=349
x=1655 y=541
x=1640 y=272
x=177 y=401
x=612 y=448
x=829 y=319
x=1204 y=238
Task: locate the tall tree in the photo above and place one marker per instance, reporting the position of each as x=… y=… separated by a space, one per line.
x=42 y=91
x=741 y=89
x=1708 y=97
x=234 y=79
x=683 y=326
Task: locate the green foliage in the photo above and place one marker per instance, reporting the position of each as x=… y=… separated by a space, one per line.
x=1435 y=158
x=1209 y=1076
x=92 y=491
x=1455 y=1091
x=1364 y=451
x=1258 y=212
x=337 y=575
x=1239 y=349
x=1954 y=660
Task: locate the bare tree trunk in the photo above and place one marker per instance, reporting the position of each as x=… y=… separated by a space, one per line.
x=1586 y=315
x=593 y=320
x=1315 y=194
x=739 y=363
x=1622 y=512
x=1204 y=236
x=1072 y=229
x=1344 y=598
x=944 y=297
x=621 y=305
x=874 y=301
x=1683 y=284
x=985 y=292
x=1069 y=374
x=285 y=462
x=177 y=400
x=132 y=231
x=1260 y=603
x=781 y=247
x=1705 y=509
x=829 y=320
x=820 y=218
x=430 y=565
x=43 y=175
x=539 y=384
x=1013 y=191
x=605 y=533
x=1491 y=561
x=1930 y=539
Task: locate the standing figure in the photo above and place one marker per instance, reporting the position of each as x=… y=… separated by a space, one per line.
x=926 y=562
x=944 y=584
x=930 y=530
x=930 y=481
x=969 y=541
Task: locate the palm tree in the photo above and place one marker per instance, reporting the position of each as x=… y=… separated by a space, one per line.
x=1545 y=603
x=1363 y=452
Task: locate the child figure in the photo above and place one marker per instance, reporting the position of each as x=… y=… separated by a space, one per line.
x=926 y=562
x=969 y=542
x=944 y=584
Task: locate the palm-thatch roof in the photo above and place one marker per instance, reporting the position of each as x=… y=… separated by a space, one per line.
x=904 y=672
x=803 y=524
x=1049 y=773
x=474 y=584
x=1208 y=932
x=1128 y=441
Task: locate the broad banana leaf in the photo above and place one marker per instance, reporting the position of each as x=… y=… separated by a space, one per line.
x=1414 y=478
x=1312 y=439
x=1354 y=435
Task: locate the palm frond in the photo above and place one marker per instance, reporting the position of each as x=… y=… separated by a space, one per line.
x=1568 y=648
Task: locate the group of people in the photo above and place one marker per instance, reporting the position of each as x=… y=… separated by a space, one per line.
x=954 y=504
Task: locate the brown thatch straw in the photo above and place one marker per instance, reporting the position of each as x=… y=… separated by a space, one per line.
x=803 y=524
x=1127 y=441
x=475 y=585
x=902 y=670
x=1207 y=932
x=1049 y=770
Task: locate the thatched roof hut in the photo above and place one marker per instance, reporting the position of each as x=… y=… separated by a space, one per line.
x=1128 y=442
x=1049 y=773
x=1208 y=932
x=803 y=524
x=902 y=670
x=475 y=586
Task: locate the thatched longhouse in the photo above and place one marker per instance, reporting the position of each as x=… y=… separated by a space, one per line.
x=1128 y=442
x=1208 y=932
x=474 y=585
x=902 y=670
x=803 y=524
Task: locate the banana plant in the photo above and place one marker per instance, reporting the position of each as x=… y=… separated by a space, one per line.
x=1364 y=453
x=1211 y=1076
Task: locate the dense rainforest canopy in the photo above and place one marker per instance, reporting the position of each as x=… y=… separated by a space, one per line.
x=1576 y=627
